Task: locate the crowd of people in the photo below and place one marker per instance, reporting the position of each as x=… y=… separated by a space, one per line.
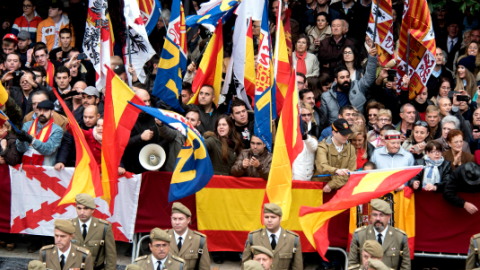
x=355 y=115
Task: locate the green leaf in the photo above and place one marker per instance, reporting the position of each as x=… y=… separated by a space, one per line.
x=463 y=7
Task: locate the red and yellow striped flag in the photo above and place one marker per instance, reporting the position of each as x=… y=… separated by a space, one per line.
x=416 y=23
x=284 y=69
x=384 y=32
x=86 y=178
x=249 y=79
x=360 y=188
x=119 y=119
x=288 y=145
x=210 y=68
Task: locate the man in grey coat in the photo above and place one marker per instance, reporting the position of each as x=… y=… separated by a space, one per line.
x=175 y=139
x=344 y=92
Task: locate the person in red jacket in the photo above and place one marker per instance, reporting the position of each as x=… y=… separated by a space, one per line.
x=28 y=21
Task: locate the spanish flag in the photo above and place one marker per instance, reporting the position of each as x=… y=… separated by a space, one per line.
x=210 y=68
x=284 y=69
x=119 y=117
x=404 y=216
x=3 y=95
x=86 y=178
x=360 y=188
x=249 y=79
x=288 y=145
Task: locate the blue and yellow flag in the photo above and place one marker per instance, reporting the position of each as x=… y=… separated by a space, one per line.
x=211 y=12
x=265 y=109
x=193 y=169
x=173 y=60
x=150 y=11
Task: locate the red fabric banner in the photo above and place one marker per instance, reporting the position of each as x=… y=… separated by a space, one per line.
x=5 y=199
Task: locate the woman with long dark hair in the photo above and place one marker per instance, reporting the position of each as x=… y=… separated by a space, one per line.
x=223 y=145
x=352 y=59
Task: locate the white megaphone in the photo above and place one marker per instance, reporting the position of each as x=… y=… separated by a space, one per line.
x=152 y=156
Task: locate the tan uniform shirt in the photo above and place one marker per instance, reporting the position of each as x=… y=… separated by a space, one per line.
x=74 y=259
x=284 y=256
x=473 y=254
x=171 y=263
x=190 y=249
x=396 y=253
x=93 y=242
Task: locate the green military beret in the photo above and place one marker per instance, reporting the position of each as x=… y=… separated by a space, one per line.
x=261 y=250
x=133 y=267
x=180 y=208
x=85 y=199
x=373 y=248
x=36 y=265
x=252 y=265
x=272 y=208
x=64 y=225
x=381 y=205
x=157 y=234
x=376 y=265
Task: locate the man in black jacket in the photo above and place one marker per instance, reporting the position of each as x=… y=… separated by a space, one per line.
x=465 y=178
x=23 y=94
x=244 y=121
x=452 y=42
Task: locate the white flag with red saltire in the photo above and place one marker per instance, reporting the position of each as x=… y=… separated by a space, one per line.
x=97 y=41
x=37 y=190
x=140 y=48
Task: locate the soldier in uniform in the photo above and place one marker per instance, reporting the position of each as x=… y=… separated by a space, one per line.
x=284 y=244
x=133 y=267
x=396 y=253
x=189 y=245
x=94 y=234
x=36 y=265
x=161 y=258
x=65 y=255
x=262 y=255
x=371 y=250
x=473 y=258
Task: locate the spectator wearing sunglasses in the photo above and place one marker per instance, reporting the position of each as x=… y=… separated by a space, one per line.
x=416 y=143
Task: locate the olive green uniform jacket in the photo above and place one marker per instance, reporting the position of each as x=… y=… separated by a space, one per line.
x=74 y=260
x=191 y=249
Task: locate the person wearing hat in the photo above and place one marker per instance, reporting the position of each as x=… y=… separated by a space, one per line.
x=161 y=257
x=473 y=258
x=40 y=138
x=395 y=252
x=91 y=96
x=336 y=156
x=36 y=265
x=9 y=44
x=371 y=250
x=64 y=254
x=94 y=234
x=263 y=255
x=23 y=45
x=465 y=178
x=284 y=244
x=46 y=31
x=190 y=245
x=392 y=155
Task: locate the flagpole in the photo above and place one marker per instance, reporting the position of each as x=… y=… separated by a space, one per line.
x=375 y=28
x=8 y=119
x=277 y=37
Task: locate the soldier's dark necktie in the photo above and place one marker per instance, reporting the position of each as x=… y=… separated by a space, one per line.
x=273 y=243
x=62 y=261
x=179 y=244
x=84 y=233
x=159 y=267
x=379 y=238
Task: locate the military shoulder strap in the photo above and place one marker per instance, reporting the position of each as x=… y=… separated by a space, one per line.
x=44 y=255
x=477 y=263
x=200 y=252
x=84 y=258
x=102 y=244
x=295 y=244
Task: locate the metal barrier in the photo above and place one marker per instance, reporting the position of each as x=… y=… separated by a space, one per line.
x=134 y=246
x=441 y=255
x=343 y=252
x=139 y=245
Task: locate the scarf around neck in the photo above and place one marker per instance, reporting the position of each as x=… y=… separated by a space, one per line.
x=432 y=174
x=301 y=65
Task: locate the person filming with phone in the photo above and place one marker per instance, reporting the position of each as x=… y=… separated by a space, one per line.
x=253 y=162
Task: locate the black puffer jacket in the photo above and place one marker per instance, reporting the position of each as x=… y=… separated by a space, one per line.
x=445 y=170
